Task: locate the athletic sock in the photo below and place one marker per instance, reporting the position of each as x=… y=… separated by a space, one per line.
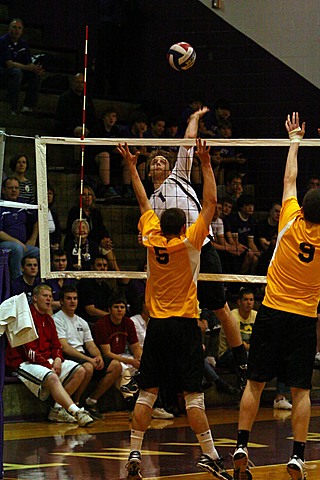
x=136 y=439
x=298 y=449
x=207 y=446
x=91 y=401
x=57 y=405
x=73 y=409
x=243 y=438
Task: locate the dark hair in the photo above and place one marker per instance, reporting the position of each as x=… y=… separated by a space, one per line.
x=116 y=299
x=232 y=175
x=157 y=118
x=138 y=116
x=222 y=103
x=67 y=289
x=311 y=206
x=14 y=160
x=245 y=291
x=163 y=153
x=172 y=220
x=245 y=200
x=58 y=253
x=224 y=124
x=6 y=180
x=28 y=257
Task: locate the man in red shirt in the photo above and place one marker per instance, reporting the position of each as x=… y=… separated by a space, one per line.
x=41 y=367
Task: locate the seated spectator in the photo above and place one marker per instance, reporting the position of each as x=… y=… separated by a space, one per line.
x=53 y=222
x=80 y=251
x=94 y=293
x=17 y=68
x=68 y=116
x=220 y=112
x=172 y=132
x=266 y=237
x=13 y=228
x=195 y=103
x=98 y=232
x=135 y=289
x=233 y=188
x=112 y=333
x=29 y=278
x=105 y=159
x=41 y=367
x=243 y=230
x=136 y=129
x=246 y=316
x=78 y=345
x=19 y=164
x=313 y=182
x=59 y=263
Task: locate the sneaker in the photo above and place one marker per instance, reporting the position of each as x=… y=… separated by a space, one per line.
x=296 y=468
x=94 y=411
x=161 y=414
x=83 y=418
x=317 y=360
x=240 y=464
x=132 y=386
x=216 y=467
x=133 y=466
x=60 y=415
x=282 y=404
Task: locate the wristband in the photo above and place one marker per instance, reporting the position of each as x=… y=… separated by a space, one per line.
x=294 y=138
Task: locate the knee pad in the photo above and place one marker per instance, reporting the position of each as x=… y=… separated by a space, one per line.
x=147 y=398
x=194 y=400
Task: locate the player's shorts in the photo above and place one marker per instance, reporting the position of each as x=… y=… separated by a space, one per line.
x=282 y=345
x=33 y=376
x=97 y=374
x=172 y=355
x=211 y=295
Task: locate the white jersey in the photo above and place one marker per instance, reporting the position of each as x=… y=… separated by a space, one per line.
x=74 y=329
x=141 y=328
x=217 y=227
x=177 y=192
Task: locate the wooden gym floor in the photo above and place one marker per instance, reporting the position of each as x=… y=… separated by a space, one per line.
x=44 y=450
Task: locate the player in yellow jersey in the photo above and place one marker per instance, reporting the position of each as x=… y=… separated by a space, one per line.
x=283 y=341
x=172 y=351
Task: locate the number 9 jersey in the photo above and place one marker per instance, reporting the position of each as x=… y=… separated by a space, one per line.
x=293 y=278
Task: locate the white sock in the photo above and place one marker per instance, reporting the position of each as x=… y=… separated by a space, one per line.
x=91 y=401
x=207 y=446
x=136 y=439
x=57 y=405
x=73 y=409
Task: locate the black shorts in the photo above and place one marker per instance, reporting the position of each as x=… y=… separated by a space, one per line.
x=211 y=295
x=282 y=345
x=172 y=355
x=97 y=374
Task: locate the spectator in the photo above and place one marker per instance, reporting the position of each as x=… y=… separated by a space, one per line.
x=135 y=290
x=94 y=293
x=88 y=249
x=195 y=103
x=98 y=232
x=53 y=222
x=78 y=345
x=17 y=67
x=266 y=235
x=29 y=278
x=233 y=188
x=68 y=116
x=136 y=129
x=313 y=182
x=242 y=228
x=220 y=112
x=41 y=367
x=19 y=164
x=13 y=228
x=112 y=333
x=59 y=263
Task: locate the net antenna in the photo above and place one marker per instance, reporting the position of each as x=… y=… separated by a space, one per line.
x=83 y=145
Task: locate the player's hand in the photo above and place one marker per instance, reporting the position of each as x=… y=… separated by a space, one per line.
x=203 y=152
x=292 y=123
x=127 y=155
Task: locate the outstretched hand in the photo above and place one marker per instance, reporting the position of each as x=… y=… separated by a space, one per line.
x=203 y=152
x=132 y=159
x=293 y=124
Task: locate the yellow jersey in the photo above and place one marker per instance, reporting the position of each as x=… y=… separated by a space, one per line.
x=293 y=278
x=173 y=268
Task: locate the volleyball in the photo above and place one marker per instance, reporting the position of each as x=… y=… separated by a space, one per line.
x=181 y=56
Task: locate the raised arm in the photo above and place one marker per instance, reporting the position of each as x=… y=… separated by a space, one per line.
x=136 y=181
x=290 y=175
x=209 y=183
x=192 y=128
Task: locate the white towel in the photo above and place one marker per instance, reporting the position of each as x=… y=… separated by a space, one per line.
x=16 y=318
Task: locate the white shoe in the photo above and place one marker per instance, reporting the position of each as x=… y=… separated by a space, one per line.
x=82 y=417
x=282 y=404
x=296 y=468
x=60 y=415
x=161 y=414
